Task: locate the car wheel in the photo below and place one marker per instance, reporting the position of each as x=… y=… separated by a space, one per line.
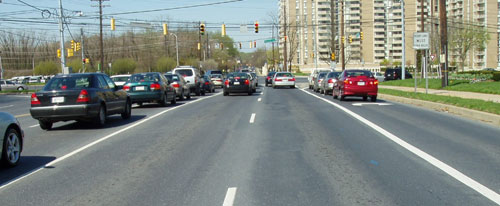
x=266 y=85
x=249 y=93
x=334 y=96
x=254 y=90
x=203 y=93
x=188 y=95
x=128 y=110
x=198 y=91
x=45 y=125
x=365 y=98
x=11 y=152
x=213 y=90
x=163 y=101
x=292 y=87
x=20 y=89
x=373 y=98
x=174 y=100
x=182 y=95
x=101 y=117
x=226 y=93
x=139 y=103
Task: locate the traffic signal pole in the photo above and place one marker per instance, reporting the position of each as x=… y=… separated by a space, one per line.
x=61 y=31
x=444 y=42
x=83 y=54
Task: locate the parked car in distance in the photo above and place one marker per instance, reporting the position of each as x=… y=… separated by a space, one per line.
x=359 y=83
x=208 y=85
x=327 y=84
x=12 y=140
x=79 y=96
x=318 y=79
x=179 y=84
x=379 y=76
x=35 y=79
x=212 y=72
x=7 y=85
x=217 y=80
x=256 y=78
x=150 y=87
x=314 y=74
x=283 y=79
x=237 y=82
x=121 y=79
x=269 y=78
x=192 y=77
x=395 y=74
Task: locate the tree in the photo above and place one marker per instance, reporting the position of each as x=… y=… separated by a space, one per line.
x=47 y=68
x=210 y=64
x=165 y=64
x=75 y=64
x=124 y=66
x=465 y=36
x=385 y=63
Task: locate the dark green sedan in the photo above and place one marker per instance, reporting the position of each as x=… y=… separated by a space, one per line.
x=150 y=87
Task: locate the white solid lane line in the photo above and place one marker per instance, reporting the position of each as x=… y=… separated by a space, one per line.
x=260 y=99
x=36 y=125
x=99 y=141
x=379 y=104
x=6 y=106
x=252 y=118
x=230 y=194
x=485 y=191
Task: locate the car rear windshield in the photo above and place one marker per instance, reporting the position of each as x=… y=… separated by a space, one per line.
x=120 y=79
x=358 y=73
x=184 y=72
x=333 y=74
x=144 y=78
x=284 y=75
x=216 y=76
x=270 y=74
x=238 y=75
x=321 y=75
x=69 y=83
x=216 y=72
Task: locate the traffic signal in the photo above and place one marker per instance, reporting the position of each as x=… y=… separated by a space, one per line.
x=165 y=29
x=84 y=60
x=78 y=46
x=87 y=60
x=240 y=45
x=251 y=45
x=72 y=44
x=343 y=39
x=59 y=53
x=333 y=56
x=199 y=46
x=202 y=29
x=256 y=27
x=70 y=52
x=113 y=24
x=350 y=39
x=223 y=30
x=255 y=44
x=361 y=35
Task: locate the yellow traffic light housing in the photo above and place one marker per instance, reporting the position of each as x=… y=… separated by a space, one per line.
x=72 y=44
x=165 y=29
x=78 y=46
x=223 y=30
x=343 y=39
x=333 y=56
x=256 y=27
x=350 y=39
x=59 y=53
x=113 y=26
x=202 y=29
x=361 y=35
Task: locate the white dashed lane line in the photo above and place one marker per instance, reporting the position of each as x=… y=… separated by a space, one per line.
x=260 y=99
x=230 y=195
x=252 y=118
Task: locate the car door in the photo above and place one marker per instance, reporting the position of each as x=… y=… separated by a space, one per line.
x=106 y=94
x=119 y=97
x=168 y=89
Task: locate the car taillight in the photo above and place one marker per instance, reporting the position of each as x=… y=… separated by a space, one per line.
x=34 y=99
x=83 y=96
x=330 y=80
x=155 y=86
x=347 y=81
x=226 y=82
x=268 y=78
x=277 y=80
x=175 y=85
x=207 y=83
x=126 y=88
x=247 y=82
x=219 y=80
x=319 y=80
x=292 y=79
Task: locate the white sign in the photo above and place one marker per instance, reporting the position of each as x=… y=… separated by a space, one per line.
x=432 y=57
x=421 y=40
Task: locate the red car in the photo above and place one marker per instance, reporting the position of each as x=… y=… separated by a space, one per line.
x=360 y=83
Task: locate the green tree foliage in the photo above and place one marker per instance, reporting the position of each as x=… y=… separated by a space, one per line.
x=165 y=64
x=75 y=64
x=124 y=66
x=190 y=62
x=465 y=36
x=47 y=68
x=385 y=63
x=210 y=65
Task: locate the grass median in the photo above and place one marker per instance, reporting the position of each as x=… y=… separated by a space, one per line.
x=475 y=104
x=454 y=85
x=17 y=92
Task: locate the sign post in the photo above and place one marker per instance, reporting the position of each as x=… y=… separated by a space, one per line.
x=421 y=42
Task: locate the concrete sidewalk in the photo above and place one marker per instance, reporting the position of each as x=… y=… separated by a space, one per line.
x=466 y=95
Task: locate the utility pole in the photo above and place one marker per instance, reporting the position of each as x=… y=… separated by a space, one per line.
x=82 y=48
x=285 y=59
x=61 y=31
x=403 y=70
x=176 y=47
x=333 y=30
x=207 y=48
x=342 y=45
x=444 y=42
x=274 y=61
x=101 y=46
x=1 y=66
x=199 y=41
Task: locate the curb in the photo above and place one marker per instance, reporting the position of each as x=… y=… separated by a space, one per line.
x=485 y=117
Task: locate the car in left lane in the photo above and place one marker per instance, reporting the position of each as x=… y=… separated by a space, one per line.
x=87 y=97
x=6 y=85
x=12 y=141
x=121 y=79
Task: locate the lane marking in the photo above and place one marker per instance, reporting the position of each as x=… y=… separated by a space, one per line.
x=252 y=118
x=6 y=106
x=98 y=141
x=22 y=115
x=36 y=125
x=379 y=104
x=471 y=183
x=230 y=194
x=259 y=99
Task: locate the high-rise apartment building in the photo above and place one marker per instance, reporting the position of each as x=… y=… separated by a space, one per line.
x=373 y=31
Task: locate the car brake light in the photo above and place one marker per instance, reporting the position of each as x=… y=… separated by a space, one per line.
x=330 y=80
x=319 y=80
x=207 y=83
x=278 y=80
x=226 y=82
x=268 y=78
x=292 y=79
x=175 y=85
x=34 y=99
x=347 y=81
x=375 y=82
x=155 y=86
x=247 y=82
x=83 y=96
x=126 y=88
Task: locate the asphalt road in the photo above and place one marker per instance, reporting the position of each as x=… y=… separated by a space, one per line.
x=276 y=147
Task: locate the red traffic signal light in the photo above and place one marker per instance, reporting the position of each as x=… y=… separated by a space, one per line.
x=256 y=27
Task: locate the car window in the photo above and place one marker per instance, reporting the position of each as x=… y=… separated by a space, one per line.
x=110 y=82
x=184 y=72
x=120 y=79
x=9 y=82
x=238 y=76
x=271 y=74
x=358 y=73
x=102 y=82
x=144 y=78
x=68 y=83
x=216 y=76
x=333 y=74
x=283 y=75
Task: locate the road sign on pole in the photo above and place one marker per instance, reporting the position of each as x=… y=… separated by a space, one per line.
x=421 y=40
x=269 y=40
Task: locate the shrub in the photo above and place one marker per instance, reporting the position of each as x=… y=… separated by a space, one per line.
x=496 y=76
x=47 y=68
x=165 y=64
x=123 y=66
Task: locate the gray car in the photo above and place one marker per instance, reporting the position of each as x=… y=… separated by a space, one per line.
x=318 y=79
x=326 y=86
x=12 y=141
x=7 y=85
x=179 y=84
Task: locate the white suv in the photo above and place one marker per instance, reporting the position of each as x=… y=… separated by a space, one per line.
x=192 y=77
x=314 y=74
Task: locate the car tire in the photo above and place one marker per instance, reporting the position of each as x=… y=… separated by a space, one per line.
x=254 y=90
x=198 y=92
x=213 y=90
x=174 y=100
x=267 y=85
x=12 y=145
x=373 y=98
x=163 y=101
x=101 y=116
x=20 y=89
x=365 y=98
x=250 y=93
x=139 y=103
x=188 y=95
x=225 y=93
x=292 y=87
x=182 y=95
x=334 y=96
x=128 y=110
x=45 y=125
x=203 y=92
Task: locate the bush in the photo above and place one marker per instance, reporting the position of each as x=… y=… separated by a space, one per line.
x=165 y=64
x=496 y=76
x=123 y=66
x=47 y=68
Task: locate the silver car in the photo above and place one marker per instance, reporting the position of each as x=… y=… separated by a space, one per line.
x=326 y=86
x=12 y=141
x=317 y=81
x=179 y=84
x=6 y=85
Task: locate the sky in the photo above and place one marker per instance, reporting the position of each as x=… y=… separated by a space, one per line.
x=41 y=16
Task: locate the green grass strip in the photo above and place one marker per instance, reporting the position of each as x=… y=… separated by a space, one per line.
x=17 y=92
x=475 y=104
x=454 y=85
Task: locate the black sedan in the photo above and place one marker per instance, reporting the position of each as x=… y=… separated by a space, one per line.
x=238 y=82
x=81 y=97
x=269 y=78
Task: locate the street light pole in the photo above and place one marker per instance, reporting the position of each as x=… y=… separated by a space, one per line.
x=176 y=47
x=61 y=30
x=404 y=43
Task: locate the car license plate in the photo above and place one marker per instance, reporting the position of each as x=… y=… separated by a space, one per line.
x=236 y=83
x=285 y=80
x=141 y=88
x=57 y=99
x=361 y=83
